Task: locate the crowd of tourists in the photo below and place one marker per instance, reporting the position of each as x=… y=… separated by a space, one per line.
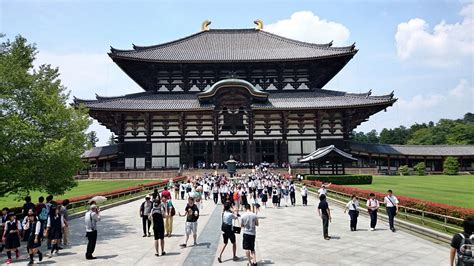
x=241 y=198
x=42 y=222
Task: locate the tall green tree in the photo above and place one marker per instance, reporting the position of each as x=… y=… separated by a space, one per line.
x=111 y=140
x=92 y=138
x=41 y=136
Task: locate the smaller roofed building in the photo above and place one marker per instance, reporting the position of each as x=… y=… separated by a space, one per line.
x=328 y=160
x=387 y=158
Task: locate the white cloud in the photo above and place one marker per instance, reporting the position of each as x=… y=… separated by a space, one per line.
x=452 y=104
x=447 y=45
x=420 y=102
x=86 y=74
x=306 y=26
x=461 y=89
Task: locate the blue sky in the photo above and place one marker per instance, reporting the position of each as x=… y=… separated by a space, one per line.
x=422 y=50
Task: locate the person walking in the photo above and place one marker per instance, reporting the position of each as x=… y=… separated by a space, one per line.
x=372 y=207
x=157 y=214
x=42 y=211
x=228 y=217
x=249 y=223
x=145 y=210
x=325 y=214
x=292 y=194
x=33 y=237
x=353 y=207
x=65 y=214
x=54 y=229
x=458 y=251
x=26 y=230
x=304 y=195
x=391 y=204
x=182 y=190
x=164 y=194
x=192 y=216
x=11 y=235
x=176 y=190
x=170 y=212
x=27 y=206
x=3 y=221
x=215 y=193
x=91 y=218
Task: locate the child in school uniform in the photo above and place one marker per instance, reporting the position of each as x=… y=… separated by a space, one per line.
x=3 y=220
x=11 y=235
x=33 y=237
x=54 y=229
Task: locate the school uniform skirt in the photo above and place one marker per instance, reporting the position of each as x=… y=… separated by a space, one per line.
x=275 y=199
x=12 y=241
x=264 y=198
x=55 y=233
x=31 y=242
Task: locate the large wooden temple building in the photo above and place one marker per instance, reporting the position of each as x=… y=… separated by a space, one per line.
x=243 y=92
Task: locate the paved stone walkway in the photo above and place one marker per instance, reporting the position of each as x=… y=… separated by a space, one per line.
x=286 y=236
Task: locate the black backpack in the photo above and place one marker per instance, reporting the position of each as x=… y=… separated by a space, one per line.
x=464 y=256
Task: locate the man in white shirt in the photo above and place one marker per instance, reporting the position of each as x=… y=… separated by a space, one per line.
x=304 y=195
x=91 y=218
x=323 y=190
x=391 y=203
x=249 y=223
x=372 y=206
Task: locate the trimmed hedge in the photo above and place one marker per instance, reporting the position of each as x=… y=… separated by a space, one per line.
x=342 y=179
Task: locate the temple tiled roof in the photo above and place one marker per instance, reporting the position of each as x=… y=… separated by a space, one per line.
x=413 y=150
x=103 y=151
x=323 y=152
x=232 y=45
x=152 y=101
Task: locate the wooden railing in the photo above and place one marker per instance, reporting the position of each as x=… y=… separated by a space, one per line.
x=425 y=218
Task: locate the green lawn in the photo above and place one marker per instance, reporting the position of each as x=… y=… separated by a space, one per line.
x=84 y=187
x=452 y=190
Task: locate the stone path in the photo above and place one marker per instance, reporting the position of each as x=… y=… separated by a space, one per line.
x=286 y=236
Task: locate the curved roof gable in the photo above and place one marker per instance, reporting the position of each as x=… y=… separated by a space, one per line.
x=226 y=83
x=232 y=45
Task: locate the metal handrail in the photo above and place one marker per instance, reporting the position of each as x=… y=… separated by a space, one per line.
x=445 y=218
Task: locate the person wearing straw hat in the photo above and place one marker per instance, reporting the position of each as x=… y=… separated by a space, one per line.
x=91 y=218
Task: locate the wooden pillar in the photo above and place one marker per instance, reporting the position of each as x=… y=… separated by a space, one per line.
x=343 y=168
x=319 y=168
x=148 y=148
x=120 y=131
x=241 y=151
x=275 y=152
x=388 y=163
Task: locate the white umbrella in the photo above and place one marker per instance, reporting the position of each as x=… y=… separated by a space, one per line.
x=98 y=199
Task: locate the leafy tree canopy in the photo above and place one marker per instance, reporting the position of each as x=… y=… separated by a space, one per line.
x=446 y=131
x=41 y=136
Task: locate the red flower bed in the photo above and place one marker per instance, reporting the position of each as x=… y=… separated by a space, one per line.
x=439 y=208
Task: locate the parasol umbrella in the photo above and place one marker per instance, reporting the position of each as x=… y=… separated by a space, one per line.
x=98 y=199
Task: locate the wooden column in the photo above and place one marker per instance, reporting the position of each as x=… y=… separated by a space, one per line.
x=388 y=163
x=148 y=148
x=120 y=130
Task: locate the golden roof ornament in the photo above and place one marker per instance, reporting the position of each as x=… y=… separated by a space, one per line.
x=205 y=25
x=259 y=24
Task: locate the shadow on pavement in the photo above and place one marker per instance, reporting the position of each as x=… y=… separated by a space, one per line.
x=106 y=257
